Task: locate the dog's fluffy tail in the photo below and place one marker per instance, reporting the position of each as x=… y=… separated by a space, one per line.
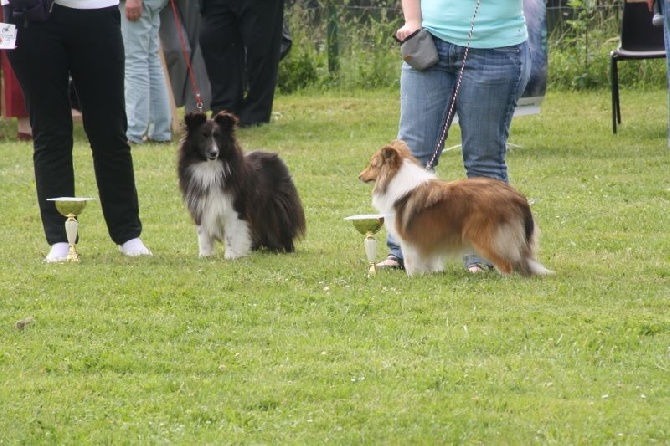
x=537 y=268
x=532 y=266
x=278 y=214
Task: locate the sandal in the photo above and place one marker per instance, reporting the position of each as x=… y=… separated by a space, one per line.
x=391 y=262
x=479 y=268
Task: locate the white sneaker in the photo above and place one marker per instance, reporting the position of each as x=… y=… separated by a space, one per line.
x=58 y=253
x=134 y=248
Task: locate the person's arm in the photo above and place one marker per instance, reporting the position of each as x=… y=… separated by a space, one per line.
x=411 y=9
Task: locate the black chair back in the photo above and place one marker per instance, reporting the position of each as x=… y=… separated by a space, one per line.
x=637 y=31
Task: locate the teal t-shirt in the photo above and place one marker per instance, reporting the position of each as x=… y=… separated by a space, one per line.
x=498 y=22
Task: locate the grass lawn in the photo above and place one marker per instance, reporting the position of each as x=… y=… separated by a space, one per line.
x=306 y=348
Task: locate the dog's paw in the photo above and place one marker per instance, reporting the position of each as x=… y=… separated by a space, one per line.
x=231 y=255
x=205 y=253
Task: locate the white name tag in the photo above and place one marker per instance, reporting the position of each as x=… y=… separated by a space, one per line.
x=7 y=36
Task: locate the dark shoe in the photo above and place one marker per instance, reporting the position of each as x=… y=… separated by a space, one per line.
x=391 y=262
x=156 y=141
x=247 y=125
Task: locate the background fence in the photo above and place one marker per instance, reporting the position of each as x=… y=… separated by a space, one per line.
x=559 y=12
x=349 y=44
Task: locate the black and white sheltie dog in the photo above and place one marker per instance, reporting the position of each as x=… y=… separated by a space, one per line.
x=247 y=201
x=434 y=219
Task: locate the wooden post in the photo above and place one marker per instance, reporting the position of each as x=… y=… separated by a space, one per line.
x=176 y=126
x=331 y=38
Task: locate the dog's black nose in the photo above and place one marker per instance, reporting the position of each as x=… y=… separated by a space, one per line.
x=213 y=154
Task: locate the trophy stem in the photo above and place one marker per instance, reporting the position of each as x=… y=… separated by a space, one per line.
x=371 y=251
x=72 y=229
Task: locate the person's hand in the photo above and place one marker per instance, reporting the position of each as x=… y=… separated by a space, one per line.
x=650 y=3
x=133 y=10
x=407 y=29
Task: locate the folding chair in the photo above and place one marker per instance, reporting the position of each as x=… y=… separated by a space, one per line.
x=639 y=39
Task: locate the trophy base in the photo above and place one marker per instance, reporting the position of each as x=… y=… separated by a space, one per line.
x=72 y=254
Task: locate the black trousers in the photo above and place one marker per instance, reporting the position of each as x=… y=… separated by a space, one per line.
x=86 y=44
x=240 y=41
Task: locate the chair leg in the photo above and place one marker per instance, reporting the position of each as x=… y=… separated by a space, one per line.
x=617 y=98
x=616 y=90
x=614 y=81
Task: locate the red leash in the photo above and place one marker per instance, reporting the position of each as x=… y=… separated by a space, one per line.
x=189 y=69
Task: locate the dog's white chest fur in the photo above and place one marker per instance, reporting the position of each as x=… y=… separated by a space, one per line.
x=408 y=177
x=218 y=218
x=207 y=198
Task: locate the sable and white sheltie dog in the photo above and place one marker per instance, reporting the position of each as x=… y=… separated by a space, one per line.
x=434 y=219
x=248 y=202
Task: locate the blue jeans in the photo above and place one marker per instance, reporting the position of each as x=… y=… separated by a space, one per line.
x=146 y=91
x=493 y=81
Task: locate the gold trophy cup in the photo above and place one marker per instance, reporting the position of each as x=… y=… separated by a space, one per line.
x=368 y=225
x=71 y=207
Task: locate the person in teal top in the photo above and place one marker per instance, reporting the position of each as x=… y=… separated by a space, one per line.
x=499 y=23
x=494 y=36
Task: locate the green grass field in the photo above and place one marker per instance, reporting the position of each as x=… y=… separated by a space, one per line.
x=306 y=348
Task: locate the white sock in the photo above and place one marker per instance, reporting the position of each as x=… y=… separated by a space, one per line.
x=58 y=252
x=134 y=248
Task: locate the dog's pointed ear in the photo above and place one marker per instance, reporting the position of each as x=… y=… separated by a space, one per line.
x=389 y=153
x=226 y=120
x=193 y=120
